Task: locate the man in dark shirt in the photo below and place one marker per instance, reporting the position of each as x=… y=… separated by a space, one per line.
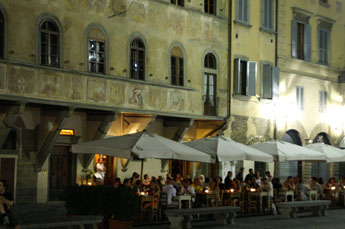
x=228 y=181
x=239 y=175
x=6 y=201
x=250 y=175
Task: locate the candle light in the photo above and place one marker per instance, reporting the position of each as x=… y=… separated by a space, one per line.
x=232 y=190
x=89 y=183
x=206 y=191
x=333 y=188
x=252 y=189
x=142 y=193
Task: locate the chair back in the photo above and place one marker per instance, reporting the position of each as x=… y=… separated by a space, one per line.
x=163 y=199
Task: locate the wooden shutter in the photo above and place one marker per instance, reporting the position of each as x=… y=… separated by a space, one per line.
x=307 y=42
x=321 y=49
x=245 y=10
x=237 y=76
x=326 y=46
x=251 y=78
x=294 y=38
x=275 y=82
x=266 y=81
x=270 y=14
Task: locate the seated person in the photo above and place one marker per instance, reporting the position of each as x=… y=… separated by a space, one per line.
x=288 y=184
x=332 y=183
x=146 y=182
x=117 y=182
x=186 y=188
x=214 y=189
x=6 y=202
x=197 y=185
x=266 y=186
x=170 y=190
x=257 y=178
x=341 y=182
x=178 y=179
x=228 y=181
x=219 y=183
x=300 y=189
x=127 y=183
x=251 y=183
x=154 y=188
x=314 y=185
x=235 y=185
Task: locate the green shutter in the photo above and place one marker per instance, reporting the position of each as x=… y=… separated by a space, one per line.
x=275 y=82
x=294 y=38
x=307 y=42
x=251 y=78
x=266 y=81
x=237 y=76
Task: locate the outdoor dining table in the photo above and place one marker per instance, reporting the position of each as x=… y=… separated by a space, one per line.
x=206 y=197
x=260 y=196
x=343 y=195
x=228 y=195
x=182 y=198
x=286 y=194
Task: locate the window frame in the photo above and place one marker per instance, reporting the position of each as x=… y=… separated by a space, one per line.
x=322 y=51
x=242 y=78
x=49 y=44
x=137 y=50
x=39 y=21
x=266 y=16
x=97 y=41
x=4 y=51
x=177 y=2
x=207 y=7
x=301 y=42
x=243 y=11
x=208 y=73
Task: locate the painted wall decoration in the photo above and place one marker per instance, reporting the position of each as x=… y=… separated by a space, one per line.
x=136 y=97
x=21 y=80
x=117 y=93
x=177 y=101
x=96 y=90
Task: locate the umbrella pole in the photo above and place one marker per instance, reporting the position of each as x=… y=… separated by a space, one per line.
x=318 y=169
x=275 y=170
x=142 y=169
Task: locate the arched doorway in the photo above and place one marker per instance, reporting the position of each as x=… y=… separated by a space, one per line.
x=290 y=168
x=320 y=169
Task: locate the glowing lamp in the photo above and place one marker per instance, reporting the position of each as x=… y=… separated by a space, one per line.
x=252 y=189
x=333 y=188
x=232 y=190
x=206 y=191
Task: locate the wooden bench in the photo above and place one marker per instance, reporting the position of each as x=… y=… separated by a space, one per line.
x=289 y=209
x=181 y=218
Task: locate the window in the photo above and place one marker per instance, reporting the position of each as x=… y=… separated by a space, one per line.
x=323 y=46
x=300 y=98
x=177 y=2
x=137 y=59
x=210 y=84
x=267 y=14
x=301 y=40
x=177 y=66
x=210 y=6
x=324 y=2
x=2 y=35
x=243 y=10
x=245 y=77
x=270 y=81
x=96 y=45
x=323 y=102
x=49 y=44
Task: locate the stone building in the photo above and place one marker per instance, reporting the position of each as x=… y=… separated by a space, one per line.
x=74 y=71
x=102 y=67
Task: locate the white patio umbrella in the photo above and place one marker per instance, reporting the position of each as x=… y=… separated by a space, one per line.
x=143 y=145
x=284 y=151
x=332 y=153
x=225 y=149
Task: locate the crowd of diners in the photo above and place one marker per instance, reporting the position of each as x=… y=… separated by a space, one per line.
x=251 y=182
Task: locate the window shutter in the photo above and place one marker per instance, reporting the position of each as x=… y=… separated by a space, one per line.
x=245 y=10
x=263 y=15
x=275 y=82
x=294 y=38
x=307 y=42
x=298 y=98
x=321 y=50
x=239 y=10
x=266 y=81
x=302 y=98
x=321 y=102
x=237 y=77
x=251 y=78
x=270 y=14
x=326 y=46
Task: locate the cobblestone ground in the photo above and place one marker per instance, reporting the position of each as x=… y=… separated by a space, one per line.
x=334 y=219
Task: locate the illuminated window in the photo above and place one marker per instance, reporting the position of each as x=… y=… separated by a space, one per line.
x=96 y=47
x=210 y=84
x=67 y=132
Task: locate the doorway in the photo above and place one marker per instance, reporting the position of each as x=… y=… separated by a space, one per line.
x=7 y=172
x=60 y=172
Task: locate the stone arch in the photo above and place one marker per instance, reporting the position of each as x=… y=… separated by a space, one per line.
x=297 y=126
x=322 y=128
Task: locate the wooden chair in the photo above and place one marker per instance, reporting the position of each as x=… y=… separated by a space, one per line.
x=146 y=206
x=163 y=204
x=155 y=207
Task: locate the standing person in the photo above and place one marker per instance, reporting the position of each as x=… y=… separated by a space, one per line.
x=228 y=180
x=249 y=176
x=6 y=202
x=239 y=175
x=100 y=171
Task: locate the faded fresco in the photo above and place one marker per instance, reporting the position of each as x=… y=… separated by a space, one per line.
x=51 y=84
x=96 y=90
x=177 y=101
x=21 y=81
x=136 y=97
x=117 y=93
x=157 y=98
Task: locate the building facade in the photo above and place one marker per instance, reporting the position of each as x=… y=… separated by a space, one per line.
x=74 y=71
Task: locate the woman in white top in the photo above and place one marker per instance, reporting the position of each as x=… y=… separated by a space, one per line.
x=100 y=170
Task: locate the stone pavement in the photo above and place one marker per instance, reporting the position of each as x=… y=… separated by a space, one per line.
x=334 y=220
